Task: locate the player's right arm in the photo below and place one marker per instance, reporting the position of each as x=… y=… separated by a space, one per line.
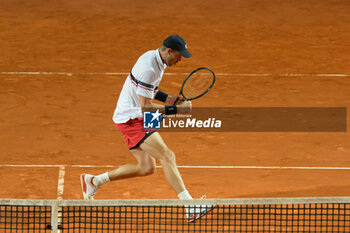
x=146 y=92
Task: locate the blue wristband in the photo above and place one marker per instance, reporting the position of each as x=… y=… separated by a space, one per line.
x=170 y=109
x=161 y=96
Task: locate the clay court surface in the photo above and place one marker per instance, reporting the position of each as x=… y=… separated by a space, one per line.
x=63 y=64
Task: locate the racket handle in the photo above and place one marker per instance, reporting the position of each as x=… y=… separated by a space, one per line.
x=176 y=100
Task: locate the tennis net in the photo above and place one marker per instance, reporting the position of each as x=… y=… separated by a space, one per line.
x=229 y=215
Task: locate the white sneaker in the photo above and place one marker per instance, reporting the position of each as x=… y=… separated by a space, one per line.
x=198 y=211
x=87 y=187
x=203 y=211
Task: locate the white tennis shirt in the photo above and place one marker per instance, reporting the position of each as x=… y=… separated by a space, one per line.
x=146 y=76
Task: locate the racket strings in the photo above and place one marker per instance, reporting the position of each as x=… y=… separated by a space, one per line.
x=197 y=84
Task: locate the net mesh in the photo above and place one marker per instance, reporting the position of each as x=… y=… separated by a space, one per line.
x=20 y=218
x=229 y=215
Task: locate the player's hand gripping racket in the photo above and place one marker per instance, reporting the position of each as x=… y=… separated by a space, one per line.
x=197 y=83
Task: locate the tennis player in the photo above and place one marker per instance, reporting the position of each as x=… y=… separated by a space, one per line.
x=147 y=146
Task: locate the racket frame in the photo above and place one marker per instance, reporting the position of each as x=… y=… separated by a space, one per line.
x=184 y=82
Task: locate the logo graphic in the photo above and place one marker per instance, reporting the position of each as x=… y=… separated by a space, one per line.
x=151 y=120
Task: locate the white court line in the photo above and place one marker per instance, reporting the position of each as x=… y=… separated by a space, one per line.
x=217 y=74
x=92 y=166
x=266 y=167
x=182 y=166
x=60 y=189
x=60 y=185
x=30 y=165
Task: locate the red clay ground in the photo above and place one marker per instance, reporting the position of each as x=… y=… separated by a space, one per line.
x=59 y=119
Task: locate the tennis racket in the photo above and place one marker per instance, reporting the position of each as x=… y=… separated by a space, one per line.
x=197 y=83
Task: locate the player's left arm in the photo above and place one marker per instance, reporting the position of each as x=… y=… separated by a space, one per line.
x=147 y=105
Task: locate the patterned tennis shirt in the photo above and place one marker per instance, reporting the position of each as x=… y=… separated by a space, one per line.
x=143 y=80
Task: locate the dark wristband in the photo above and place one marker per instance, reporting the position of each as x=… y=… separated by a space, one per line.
x=170 y=109
x=161 y=96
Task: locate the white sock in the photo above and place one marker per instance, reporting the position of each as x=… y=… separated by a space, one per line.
x=185 y=195
x=101 y=179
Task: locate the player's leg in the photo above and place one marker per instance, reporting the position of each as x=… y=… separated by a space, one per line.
x=155 y=146
x=145 y=165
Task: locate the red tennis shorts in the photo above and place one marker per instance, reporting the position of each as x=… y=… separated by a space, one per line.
x=133 y=132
